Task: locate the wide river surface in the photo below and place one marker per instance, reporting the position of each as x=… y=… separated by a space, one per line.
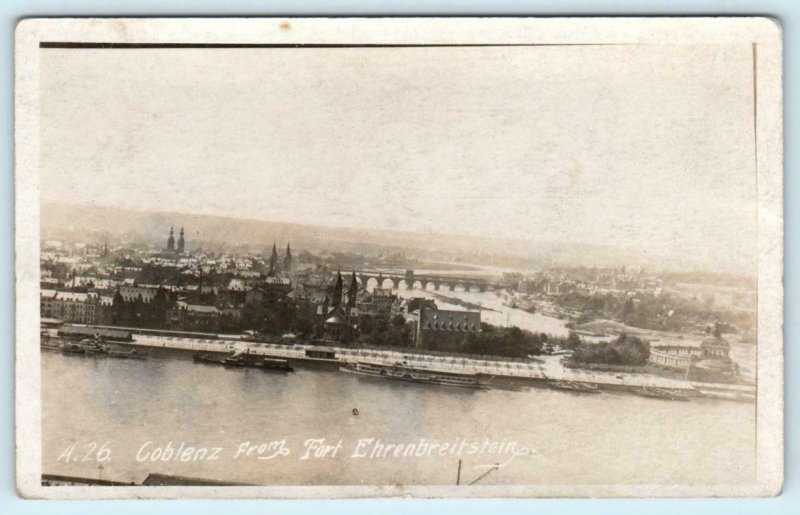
x=118 y=419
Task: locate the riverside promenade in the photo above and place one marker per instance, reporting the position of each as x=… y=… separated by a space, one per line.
x=544 y=368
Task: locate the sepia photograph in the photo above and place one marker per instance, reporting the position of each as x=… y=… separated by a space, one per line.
x=399 y=257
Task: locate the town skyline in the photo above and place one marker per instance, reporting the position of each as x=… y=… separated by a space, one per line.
x=226 y=231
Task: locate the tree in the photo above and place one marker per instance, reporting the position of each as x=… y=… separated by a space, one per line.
x=573 y=340
x=625 y=350
x=399 y=322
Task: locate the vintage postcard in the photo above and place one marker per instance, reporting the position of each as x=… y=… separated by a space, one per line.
x=439 y=257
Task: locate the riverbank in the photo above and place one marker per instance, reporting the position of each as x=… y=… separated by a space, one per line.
x=455 y=301
x=540 y=372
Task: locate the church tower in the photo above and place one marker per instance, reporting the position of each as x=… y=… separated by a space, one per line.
x=273 y=260
x=352 y=292
x=181 y=243
x=287 y=260
x=336 y=299
x=171 y=241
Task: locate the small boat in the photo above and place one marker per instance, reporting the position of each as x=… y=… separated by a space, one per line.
x=573 y=386
x=242 y=359
x=89 y=347
x=73 y=348
x=127 y=354
x=253 y=361
x=276 y=364
x=237 y=360
x=661 y=393
x=405 y=372
x=207 y=358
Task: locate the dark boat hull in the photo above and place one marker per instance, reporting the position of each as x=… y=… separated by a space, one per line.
x=267 y=364
x=419 y=377
x=572 y=387
x=661 y=394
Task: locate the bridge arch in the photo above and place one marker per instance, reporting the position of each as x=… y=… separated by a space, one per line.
x=396 y=280
x=371 y=283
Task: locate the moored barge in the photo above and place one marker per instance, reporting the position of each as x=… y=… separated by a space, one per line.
x=405 y=372
x=246 y=360
x=94 y=348
x=573 y=386
x=660 y=393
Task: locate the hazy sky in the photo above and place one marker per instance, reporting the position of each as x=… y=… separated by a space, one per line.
x=646 y=147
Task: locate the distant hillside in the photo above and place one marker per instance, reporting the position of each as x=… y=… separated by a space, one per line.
x=99 y=223
x=93 y=222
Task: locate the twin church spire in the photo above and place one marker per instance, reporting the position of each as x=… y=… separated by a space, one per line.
x=171 y=242
x=274 y=263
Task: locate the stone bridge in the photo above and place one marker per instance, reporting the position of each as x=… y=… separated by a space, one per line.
x=410 y=280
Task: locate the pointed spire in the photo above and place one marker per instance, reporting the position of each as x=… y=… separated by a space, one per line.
x=181 y=243
x=273 y=259
x=352 y=292
x=287 y=261
x=337 y=290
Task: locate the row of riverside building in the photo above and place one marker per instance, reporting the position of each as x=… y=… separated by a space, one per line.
x=173 y=288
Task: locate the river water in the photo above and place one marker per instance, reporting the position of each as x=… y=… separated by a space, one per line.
x=125 y=415
x=496 y=313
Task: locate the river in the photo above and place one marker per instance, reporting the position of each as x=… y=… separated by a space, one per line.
x=129 y=409
x=495 y=313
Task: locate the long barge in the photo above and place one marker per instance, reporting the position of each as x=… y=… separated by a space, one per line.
x=245 y=360
x=573 y=386
x=93 y=348
x=661 y=393
x=404 y=372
